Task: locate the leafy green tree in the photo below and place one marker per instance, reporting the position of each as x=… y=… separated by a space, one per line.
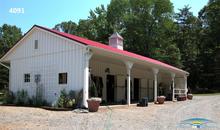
x=210 y=42
x=146 y=26
x=187 y=40
x=99 y=24
x=9 y=35
x=151 y=28
x=67 y=27
x=85 y=29
x=187 y=36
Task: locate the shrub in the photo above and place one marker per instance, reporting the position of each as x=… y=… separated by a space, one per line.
x=66 y=100
x=93 y=89
x=37 y=102
x=63 y=99
x=71 y=103
x=22 y=98
x=72 y=99
x=8 y=97
x=72 y=94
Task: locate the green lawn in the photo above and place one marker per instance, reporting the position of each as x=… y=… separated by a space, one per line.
x=207 y=94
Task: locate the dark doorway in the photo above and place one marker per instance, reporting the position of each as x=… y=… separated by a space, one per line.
x=136 y=89
x=110 y=88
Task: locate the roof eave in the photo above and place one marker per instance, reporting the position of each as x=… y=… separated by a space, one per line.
x=175 y=70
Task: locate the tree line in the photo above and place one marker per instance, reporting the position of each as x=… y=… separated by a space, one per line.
x=150 y=28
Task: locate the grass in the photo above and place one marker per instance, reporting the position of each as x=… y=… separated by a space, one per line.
x=207 y=94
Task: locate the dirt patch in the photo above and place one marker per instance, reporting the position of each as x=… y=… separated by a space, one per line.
x=165 y=116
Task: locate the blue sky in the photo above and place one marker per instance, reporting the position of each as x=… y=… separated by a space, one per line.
x=50 y=12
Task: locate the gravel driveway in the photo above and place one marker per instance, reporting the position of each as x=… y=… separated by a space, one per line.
x=154 y=117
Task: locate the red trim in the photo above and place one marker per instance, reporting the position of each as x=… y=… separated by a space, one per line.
x=106 y=47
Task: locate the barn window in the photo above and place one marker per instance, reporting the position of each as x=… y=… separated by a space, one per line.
x=27 y=78
x=35 y=44
x=62 y=78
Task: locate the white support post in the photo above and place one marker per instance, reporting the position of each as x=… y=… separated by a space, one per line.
x=173 y=85
x=87 y=55
x=128 y=67
x=155 y=72
x=186 y=89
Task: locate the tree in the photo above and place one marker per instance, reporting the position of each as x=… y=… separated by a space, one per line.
x=187 y=38
x=151 y=28
x=146 y=26
x=210 y=42
x=9 y=35
x=67 y=27
x=99 y=24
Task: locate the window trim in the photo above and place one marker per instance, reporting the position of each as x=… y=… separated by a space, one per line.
x=62 y=80
x=27 y=77
x=36 y=44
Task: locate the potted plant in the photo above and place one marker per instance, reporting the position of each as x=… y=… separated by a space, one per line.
x=181 y=98
x=189 y=96
x=93 y=104
x=94 y=101
x=161 y=99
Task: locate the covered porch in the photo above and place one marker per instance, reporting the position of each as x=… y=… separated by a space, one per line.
x=123 y=80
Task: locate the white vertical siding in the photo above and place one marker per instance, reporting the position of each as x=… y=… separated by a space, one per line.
x=53 y=56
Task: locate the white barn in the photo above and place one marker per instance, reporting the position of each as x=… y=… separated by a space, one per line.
x=57 y=61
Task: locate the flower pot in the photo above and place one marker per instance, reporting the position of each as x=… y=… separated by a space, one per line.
x=93 y=104
x=189 y=96
x=181 y=98
x=161 y=99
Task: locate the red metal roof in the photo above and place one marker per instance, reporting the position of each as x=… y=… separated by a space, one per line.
x=109 y=48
